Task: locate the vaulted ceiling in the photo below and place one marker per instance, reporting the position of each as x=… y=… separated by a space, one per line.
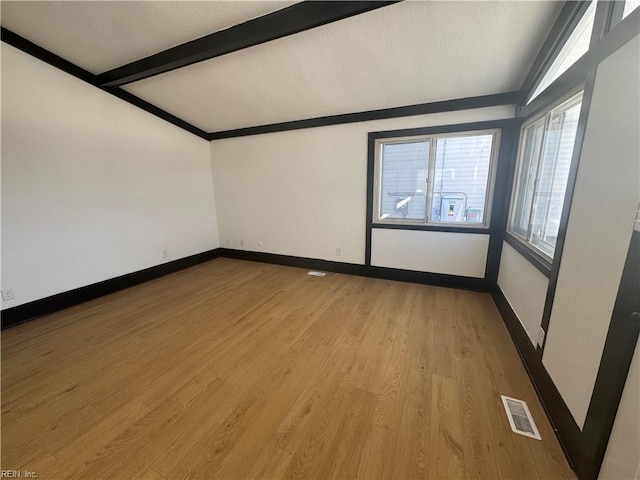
x=391 y=55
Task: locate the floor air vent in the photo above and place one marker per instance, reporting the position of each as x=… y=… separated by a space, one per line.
x=520 y=417
x=317 y=274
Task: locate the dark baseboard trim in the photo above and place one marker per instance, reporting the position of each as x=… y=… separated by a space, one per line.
x=44 y=306
x=29 y=311
x=565 y=427
x=425 y=278
x=292 y=261
x=617 y=356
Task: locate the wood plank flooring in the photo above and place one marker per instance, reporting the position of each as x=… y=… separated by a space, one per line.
x=237 y=370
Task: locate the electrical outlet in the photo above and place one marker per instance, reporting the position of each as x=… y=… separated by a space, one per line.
x=228 y=243
x=242 y=243
x=259 y=244
x=338 y=252
x=165 y=253
x=8 y=294
x=541 y=337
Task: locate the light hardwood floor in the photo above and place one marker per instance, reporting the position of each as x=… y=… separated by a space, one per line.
x=235 y=369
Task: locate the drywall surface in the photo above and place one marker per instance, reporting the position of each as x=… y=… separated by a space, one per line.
x=92 y=187
x=525 y=287
x=622 y=459
x=304 y=192
x=402 y=54
x=437 y=252
x=605 y=202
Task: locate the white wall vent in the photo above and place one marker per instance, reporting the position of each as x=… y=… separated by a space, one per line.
x=520 y=417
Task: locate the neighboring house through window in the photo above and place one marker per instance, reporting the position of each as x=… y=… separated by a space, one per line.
x=441 y=179
x=544 y=159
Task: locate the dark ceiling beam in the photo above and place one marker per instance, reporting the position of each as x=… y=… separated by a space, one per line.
x=296 y=18
x=21 y=43
x=11 y=38
x=468 y=103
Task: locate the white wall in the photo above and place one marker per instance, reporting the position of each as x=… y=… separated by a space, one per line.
x=525 y=288
x=462 y=254
x=92 y=187
x=622 y=459
x=303 y=192
x=605 y=202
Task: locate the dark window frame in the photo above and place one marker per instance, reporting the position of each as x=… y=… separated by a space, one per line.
x=430 y=164
x=498 y=201
x=567 y=21
x=585 y=450
x=608 y=19
x=542 y=261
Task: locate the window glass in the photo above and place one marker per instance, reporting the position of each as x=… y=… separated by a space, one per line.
x=435 y=179
x=630 y=6
x=553 y=176
x=543 y=171
x=532 y=145
x=576 y=46
x=460 y=178
x=403 y=194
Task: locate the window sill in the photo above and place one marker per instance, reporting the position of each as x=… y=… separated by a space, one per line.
x=538 y=261
x=432 y=228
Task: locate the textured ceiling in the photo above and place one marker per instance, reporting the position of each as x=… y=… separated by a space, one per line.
x=101 y=35
x=407 y=53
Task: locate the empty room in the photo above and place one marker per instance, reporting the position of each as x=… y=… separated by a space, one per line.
x=320 y=239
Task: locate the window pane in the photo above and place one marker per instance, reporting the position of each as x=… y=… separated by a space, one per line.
x=460 y=178
x=553 y=176
x=630 y=6
x=403 y=189
x=544 y=162
x=576 y=46
x=532 y=144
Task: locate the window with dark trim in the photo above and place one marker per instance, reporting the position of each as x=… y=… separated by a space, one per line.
x=544 y=159
x=576 y=45
x=443 y=179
